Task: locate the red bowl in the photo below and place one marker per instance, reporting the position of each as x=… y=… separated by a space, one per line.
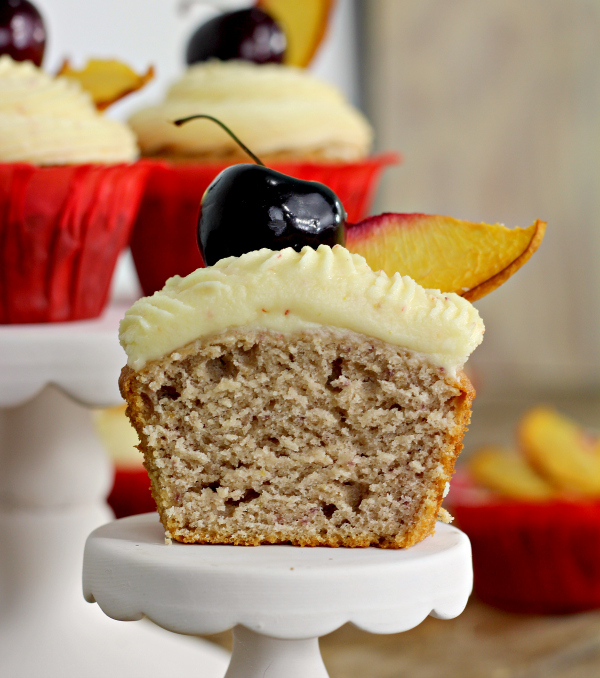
x=541 y=558
x=61 y=231
x=163 y=243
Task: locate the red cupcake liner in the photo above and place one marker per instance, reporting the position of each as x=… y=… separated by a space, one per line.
x=163 y=243
x=61 y=231
x=130 y=492
x=541 y=558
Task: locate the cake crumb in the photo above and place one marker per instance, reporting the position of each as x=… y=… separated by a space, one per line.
x=325 y=437
x=444 y=516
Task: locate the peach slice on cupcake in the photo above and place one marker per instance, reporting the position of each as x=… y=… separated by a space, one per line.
x=470 y=259
x=304 y=24
x=107 y=80
x=507 y=473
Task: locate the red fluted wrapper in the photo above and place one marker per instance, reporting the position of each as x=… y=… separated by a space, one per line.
x=533 y=557
x=164 y=244
x=130 y=492
x=61 y=231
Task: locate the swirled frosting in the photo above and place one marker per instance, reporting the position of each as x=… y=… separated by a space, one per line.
x=273 y=109
x=52 y=121
x=287 y=291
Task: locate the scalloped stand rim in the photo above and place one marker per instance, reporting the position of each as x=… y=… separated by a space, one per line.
x=278 y=599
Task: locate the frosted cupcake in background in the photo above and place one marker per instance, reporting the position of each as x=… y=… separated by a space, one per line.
x=532 y=513
x=69 y=192
x=280 y=112
x=51 y=121
x=294 y=122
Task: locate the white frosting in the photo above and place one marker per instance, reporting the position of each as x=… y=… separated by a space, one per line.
x=52 y=121
x=288 y=291
x=271 y=108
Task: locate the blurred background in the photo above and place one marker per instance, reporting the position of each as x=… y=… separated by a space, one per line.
x=495 y=109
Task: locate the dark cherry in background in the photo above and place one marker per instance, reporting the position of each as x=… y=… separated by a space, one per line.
x=249 y=34
x=22 y=32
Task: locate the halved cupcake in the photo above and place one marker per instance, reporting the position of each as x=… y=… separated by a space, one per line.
x=285 y=397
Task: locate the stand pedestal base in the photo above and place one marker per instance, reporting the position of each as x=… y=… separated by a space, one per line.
x=256 y=656
x=280 y=599
x=54 y=476
x=47 y=629
x=90 y=645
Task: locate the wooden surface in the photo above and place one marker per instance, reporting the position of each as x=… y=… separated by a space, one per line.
x=482 y=643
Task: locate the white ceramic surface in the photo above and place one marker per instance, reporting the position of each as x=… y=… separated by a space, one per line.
x=47 y=630
x=54 y=478
x=82 y=358
x=273 y=593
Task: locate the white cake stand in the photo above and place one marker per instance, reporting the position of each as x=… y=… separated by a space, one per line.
x=278 y=599
x=54 y=479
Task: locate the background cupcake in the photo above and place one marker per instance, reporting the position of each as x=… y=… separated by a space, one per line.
x=533 y=516
x=290 y=119
x=68 y=197
x=280 y=112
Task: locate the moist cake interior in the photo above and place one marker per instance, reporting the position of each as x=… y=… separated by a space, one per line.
x=323 y=437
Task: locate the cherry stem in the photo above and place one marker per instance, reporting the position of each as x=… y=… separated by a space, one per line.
x=243 y=146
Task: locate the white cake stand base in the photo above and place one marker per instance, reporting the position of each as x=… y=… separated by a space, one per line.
x=54 y=479
x=278 y=599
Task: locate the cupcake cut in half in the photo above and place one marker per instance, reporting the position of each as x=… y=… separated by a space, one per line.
x=285 y=397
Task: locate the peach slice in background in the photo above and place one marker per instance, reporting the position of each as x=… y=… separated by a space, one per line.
x=304 y=24
x=118 y=436
x=530 y=554
x=470 y=259
x=561 y=451
x=509 y=474
x=107 y=80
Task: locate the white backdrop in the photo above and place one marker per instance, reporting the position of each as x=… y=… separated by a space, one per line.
x=144 y=32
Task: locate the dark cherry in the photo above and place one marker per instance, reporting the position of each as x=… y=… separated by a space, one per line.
x=248 y=207
x=22 y=32
x=249 y=34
